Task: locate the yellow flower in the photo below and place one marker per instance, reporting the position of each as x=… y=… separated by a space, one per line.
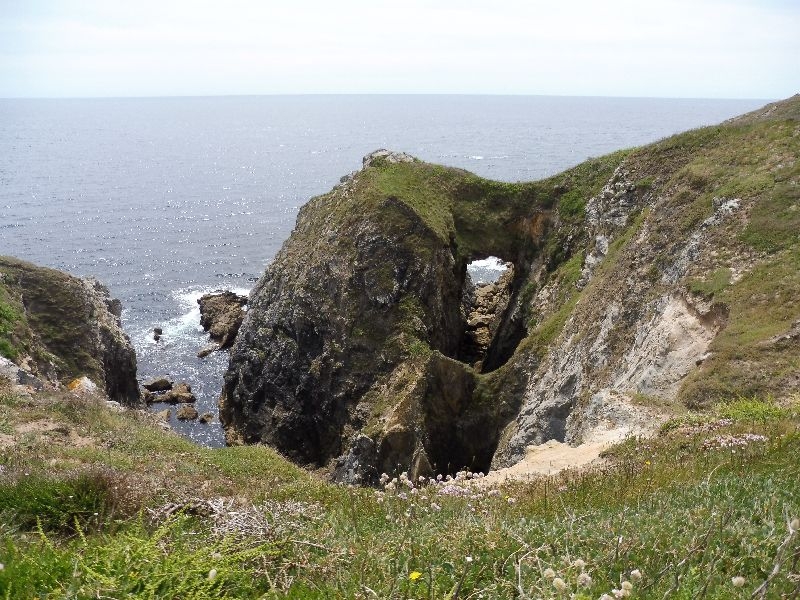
x=414 y=575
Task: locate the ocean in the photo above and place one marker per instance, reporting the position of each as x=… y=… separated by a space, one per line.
x=164 y=199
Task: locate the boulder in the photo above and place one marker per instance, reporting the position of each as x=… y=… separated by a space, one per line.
x=158 y=384
x=221 y=314
x=82 y=385
x=206 y=418
x=180 y=394
x=163 y=415
x=187 y=412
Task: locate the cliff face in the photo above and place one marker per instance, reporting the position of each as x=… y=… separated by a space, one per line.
x=61 y=327
x=665 y=274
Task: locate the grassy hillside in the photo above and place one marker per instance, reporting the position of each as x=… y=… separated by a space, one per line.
x=95 y=503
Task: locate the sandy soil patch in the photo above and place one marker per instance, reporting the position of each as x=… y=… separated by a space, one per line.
x=553 y=456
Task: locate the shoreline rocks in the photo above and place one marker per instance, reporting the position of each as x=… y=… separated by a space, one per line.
x=221 y=314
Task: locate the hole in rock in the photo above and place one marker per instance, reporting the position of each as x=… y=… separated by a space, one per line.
x=487 y=270
x=489 y=286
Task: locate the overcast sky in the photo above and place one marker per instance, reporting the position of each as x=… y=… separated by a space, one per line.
x=676 y=48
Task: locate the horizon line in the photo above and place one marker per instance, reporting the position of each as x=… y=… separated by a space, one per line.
x=454 y=94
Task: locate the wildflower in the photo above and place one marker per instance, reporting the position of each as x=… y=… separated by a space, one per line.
x=421 y=478
x=579 y=564
x=511 y=500
x=435 y=506
x=795 y=524
x=493 y=492
x=636 y=575
x=439 y=477
x=584 y=580
x=216 y=555
x=402 y=496
x=212 y=574
x=2 y=566
x=738 y=581
x=549 y=573
x=559 y=584
x=468 y=559
x=606 y=597
x=414 y=575
x=627 y=585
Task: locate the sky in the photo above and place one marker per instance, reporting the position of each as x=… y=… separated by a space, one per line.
x=676 y=48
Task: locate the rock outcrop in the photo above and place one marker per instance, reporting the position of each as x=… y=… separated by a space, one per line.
x=651 y=276
x=63 y=328
x=221 y=314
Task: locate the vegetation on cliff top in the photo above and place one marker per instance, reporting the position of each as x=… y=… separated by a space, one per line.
x=43 y=314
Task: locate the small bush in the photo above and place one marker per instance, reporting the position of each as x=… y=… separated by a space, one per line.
x=7 y=350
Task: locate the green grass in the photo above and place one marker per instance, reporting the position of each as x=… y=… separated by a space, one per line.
x=668 y=506
x=716 y=281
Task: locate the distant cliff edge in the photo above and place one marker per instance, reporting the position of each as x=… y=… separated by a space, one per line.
x=61 y=329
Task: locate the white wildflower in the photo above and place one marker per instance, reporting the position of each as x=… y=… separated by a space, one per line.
x=468 y=559
x=738 y=581
x=636 y=575
x=579 y=564
x=559 y=584
x=795 y=525
x=606 y=597
x=212 y=574
x=549 y=573
x=584 y=580
x=627 y=585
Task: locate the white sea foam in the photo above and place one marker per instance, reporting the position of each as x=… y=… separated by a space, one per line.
x=492 y=263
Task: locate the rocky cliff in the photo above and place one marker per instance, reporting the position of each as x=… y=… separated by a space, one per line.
x=60 y=328
x=667 y=274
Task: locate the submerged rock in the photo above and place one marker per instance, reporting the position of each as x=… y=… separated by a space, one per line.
x=207 y=349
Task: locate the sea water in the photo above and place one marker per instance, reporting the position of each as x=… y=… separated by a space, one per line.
x=164 y=199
